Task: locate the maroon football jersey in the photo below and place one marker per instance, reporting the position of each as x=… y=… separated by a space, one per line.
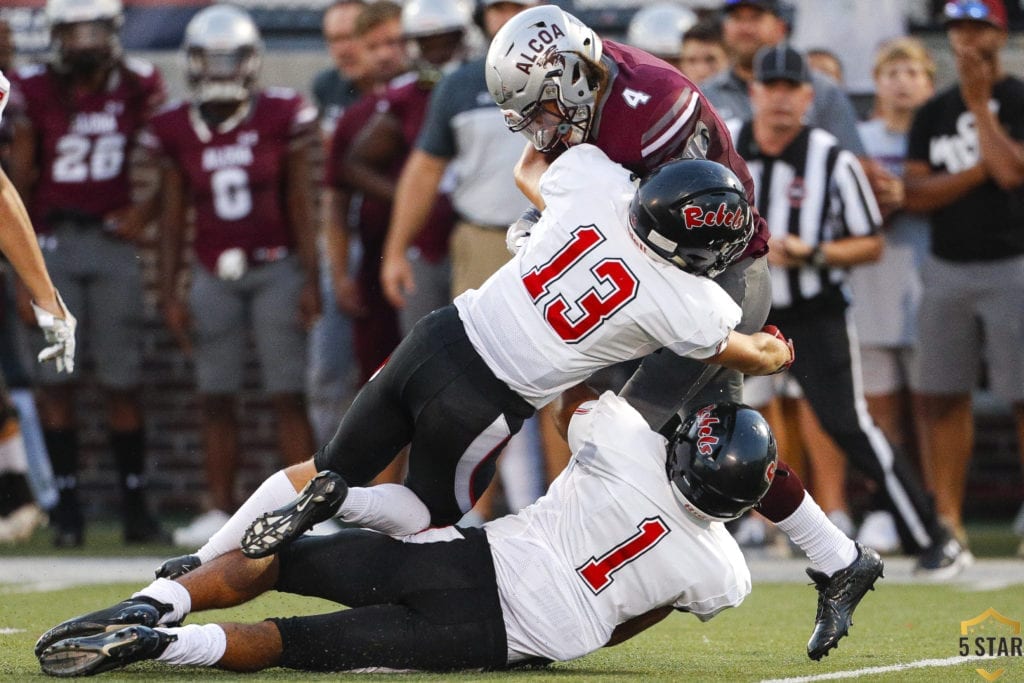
x=84 y=140
x=408 y=104
x=235 y=176
x=650 y=112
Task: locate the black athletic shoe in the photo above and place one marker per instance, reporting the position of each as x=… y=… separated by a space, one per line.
x=101 y=652
x=178 y=566
x=943 y=560
x=838 y=596
x=142 y=610
x=319 y=501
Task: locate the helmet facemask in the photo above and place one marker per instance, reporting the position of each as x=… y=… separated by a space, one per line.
x=84 y=48
x=564 y=112
x=222 y=75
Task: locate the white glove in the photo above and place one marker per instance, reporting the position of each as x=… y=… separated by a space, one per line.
x=519 y=232
x=59 y=334
x=5 y=93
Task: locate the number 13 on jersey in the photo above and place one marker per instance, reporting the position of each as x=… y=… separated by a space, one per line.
x=551 y=285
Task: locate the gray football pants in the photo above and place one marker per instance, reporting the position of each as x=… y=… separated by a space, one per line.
x=666 y=384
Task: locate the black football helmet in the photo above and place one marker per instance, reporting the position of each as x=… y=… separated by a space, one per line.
x=693 y=213
x=722 y=460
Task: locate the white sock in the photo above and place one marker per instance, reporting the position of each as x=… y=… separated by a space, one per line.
x=276 y=491
x=828 y=548
x=391 y=509
x=197 y=645
x=170 y=593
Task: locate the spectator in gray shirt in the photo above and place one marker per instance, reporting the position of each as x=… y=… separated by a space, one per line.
x=749 y=25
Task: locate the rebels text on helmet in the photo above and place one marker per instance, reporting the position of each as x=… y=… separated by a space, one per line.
x=706 y=440
x=696 y=217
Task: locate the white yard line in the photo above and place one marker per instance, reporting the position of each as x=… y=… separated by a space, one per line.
x=874 y=670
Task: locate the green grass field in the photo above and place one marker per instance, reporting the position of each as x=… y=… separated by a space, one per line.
x=898 y=625
x=762 y=639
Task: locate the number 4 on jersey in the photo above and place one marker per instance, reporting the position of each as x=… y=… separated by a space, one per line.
x=634 y=98
x=597 y=571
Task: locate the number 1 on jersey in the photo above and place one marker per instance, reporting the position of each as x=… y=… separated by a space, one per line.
x=597 y=571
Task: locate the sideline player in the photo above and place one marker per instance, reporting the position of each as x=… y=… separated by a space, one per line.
x=525 y=588
x=70 y=161
x=237 y=154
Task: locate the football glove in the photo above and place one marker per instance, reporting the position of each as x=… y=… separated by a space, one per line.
x=777 y=333
x=59 y=334
x=519 y=232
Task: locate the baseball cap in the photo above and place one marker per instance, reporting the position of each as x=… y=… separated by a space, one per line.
x=773 y=6
x=780 y=63
x=991 y=12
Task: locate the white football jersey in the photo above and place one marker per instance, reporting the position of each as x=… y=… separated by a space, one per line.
x=582 y=294
x=608 y=542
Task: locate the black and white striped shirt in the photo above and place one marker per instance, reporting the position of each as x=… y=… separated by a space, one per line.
x=817 y=191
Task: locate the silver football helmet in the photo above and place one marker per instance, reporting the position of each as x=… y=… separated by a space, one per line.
x=539 y=72
x=422 y=18
x=223 y=52
x=659 y=29
x=84 y=33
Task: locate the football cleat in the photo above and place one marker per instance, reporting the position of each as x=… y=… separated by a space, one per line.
x=319 y=501
x=141 y=610
x=101 y=652
x=178 y=566
x=838 y=597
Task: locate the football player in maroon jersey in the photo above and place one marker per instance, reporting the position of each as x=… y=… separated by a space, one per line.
x=238 y=156
x=70 y=160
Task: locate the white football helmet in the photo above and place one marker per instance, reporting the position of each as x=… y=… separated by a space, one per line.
x=83 y=33
x=223 y=52
x=659 y=29
x=422 y=18
x=538 y=72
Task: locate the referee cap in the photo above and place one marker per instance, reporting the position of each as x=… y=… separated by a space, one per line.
x=780 y=63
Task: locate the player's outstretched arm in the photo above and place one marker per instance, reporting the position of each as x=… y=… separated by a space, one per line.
x=19 y=245
x=762 y=353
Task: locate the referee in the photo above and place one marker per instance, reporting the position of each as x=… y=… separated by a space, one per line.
x=824 y=219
